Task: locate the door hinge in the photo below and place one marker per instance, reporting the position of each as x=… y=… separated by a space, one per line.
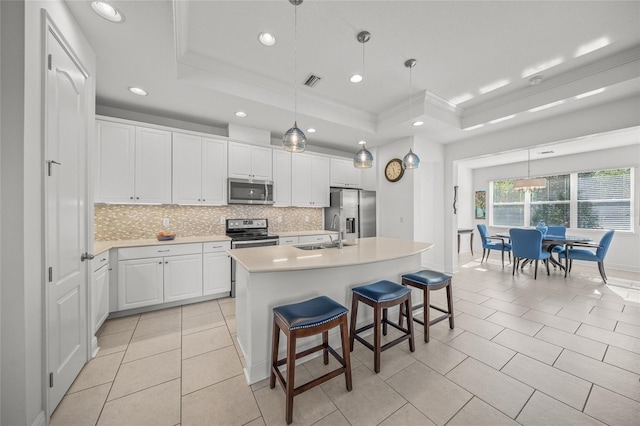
x=49 y=163
x=50 y=380
x=49 y=61
x=50 y=273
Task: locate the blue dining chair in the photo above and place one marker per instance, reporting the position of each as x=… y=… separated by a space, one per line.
x=527 y=244
x=558 y=231
x=488 y=245
x=571 y=254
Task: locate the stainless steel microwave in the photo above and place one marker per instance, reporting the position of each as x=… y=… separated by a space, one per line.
x=250 y=191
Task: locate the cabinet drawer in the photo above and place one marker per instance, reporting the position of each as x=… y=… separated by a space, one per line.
x=216 y=246
x=287 y=241
x=159 y=251
x=100 y=260
x=315 y=238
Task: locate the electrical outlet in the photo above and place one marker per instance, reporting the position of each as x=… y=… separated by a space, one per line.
x=222 y=222
x=306 y=219
x=279 y=219
x=165 y=221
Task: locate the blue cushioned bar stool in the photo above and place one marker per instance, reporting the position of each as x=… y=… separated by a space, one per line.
x=380 y=296
x=427 y=281
x=304 y=319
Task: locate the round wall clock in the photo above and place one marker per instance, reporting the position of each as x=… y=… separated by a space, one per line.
x=393 y=171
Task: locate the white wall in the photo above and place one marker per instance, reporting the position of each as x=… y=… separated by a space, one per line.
x=620 y=114
x=624 y=249
x=23 y=376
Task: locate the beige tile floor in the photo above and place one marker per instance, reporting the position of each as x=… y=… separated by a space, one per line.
x=552 y=351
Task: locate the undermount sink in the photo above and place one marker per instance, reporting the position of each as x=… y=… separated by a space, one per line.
x=322 y=246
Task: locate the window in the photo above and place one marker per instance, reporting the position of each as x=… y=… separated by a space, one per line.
x=591 y=200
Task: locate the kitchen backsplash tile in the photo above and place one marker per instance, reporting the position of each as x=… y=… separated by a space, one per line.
x=126 y=222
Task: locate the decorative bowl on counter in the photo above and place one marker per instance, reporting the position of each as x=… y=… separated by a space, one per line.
x=165 y=236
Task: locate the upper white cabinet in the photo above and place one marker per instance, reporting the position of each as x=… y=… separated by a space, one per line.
x=343 y=174
x=309 y=180
x=199 y=170
x=250 y=161
x=281 y=178
x=134 y=164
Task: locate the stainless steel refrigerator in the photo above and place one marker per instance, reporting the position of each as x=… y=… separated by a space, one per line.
x=352 y=211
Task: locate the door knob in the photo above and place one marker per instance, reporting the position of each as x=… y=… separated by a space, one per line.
x=86 y=256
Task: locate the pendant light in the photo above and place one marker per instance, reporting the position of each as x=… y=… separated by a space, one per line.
x=295 y=140
x=363 y=158
x=411 y=160
x=529 y=184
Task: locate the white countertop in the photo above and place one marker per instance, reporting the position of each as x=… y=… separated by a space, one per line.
x=102 y=246
x=290 y=258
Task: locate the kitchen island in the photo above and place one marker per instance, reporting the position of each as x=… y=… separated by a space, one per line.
x=267 y=277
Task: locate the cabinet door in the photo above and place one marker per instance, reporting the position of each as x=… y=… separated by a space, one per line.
x=354 y=176
x=115 y=163
x=182 y=277
x=187 y=169
x=338 y=172
x=261 y=163
x=214 y=172
x=100 y=297
x=216 y=273
x=320 y=182
x=153 y=166
x=240 y=160
x=281 y=178
x=301 y=180
x=140 y=283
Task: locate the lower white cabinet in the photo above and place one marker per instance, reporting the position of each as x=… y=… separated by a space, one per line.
x=216 y=268
x=182 y=277
x=140 y=282
x=99 y=291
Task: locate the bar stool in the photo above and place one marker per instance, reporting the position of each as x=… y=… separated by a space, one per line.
x=380 y=296
x=304 y=319
x=427 y=281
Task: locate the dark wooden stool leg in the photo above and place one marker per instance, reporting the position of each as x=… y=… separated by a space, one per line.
x=274 y=354
x=354 y=317
x=325 y=343
x=450 y=304
x=412 y=341
x=346 y=355
x=427 y=314
x=376 y=338
x=291 y=368
x=384 y=322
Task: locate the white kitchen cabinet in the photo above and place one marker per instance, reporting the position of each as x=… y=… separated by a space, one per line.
x=99 y=291
x=344 y=175
x=309 y=180
x=140 y=282
x=199 y=170
x=114 y=177
x=303 y=239
x=288 y=241
x=134 y=164
x=250 y=161
x=216 y=268
x=182 y=277
x=281 y=178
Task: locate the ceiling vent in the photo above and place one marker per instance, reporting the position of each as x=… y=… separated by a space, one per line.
x=312 y=80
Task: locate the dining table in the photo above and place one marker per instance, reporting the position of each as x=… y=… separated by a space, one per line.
x=550 y=241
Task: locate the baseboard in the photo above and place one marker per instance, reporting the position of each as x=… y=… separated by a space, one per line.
x=41 y=420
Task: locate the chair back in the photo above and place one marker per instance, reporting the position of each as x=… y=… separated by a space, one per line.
x=557 y=230
x=484 y=234
x=526 y=243
x=605 y=241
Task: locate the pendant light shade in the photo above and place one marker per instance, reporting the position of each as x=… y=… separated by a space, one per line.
x=294 y=139
x=363 y=158
x=411 y=160
x=529 y=183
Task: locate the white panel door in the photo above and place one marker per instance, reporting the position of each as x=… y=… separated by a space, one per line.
x=140 y=282
x=281 y=178
x=301 y=180
x=153 y=166
x=114 y=177
x=261 y=163
x=214 y=172
x=65 y=219
x=182 y=277
x=216 y=273
x=187 y=169
x=320 y=182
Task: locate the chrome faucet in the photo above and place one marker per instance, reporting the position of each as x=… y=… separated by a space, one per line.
x=333 y=226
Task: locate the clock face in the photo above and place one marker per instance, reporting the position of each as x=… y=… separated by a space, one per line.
x=393 y=171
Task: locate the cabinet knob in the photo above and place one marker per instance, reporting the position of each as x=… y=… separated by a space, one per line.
x=131 y=198
x=137 y=198
x=166 y=262
x=159 y=263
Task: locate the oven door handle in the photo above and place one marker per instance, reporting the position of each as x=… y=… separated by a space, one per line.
x=243 y=243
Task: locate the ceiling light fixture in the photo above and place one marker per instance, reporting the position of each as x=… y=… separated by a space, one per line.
x=295 y=140
x=417 y=123
x=535 y=80
x=411 y=160
x=106 y=11
x=529 y=184
x=311 y=130
x=241 y=114
x=363 y=158
x=138 y=91
x=266 y=39
x=356 y=78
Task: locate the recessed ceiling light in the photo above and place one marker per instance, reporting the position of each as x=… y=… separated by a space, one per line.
x=106 y=11
x=494 y=86
x=241 y=114
x=356 y=78
x=591 y=93
x=311 y=130
x=418 y=123
x=138 y=91
x=267 y=39
x=362 y=142
x=497 y=120
x=545 y=106
x=477 y=126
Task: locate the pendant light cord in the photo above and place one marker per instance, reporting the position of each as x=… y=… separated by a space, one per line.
x=410 y=105
x=295 y=64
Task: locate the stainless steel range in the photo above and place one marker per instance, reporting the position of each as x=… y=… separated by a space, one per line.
x=246 y=233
